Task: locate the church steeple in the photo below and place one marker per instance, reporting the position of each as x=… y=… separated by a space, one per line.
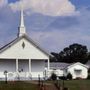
x=22 y=29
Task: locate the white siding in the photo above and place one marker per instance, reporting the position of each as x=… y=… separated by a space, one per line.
x=37 y=66
x=8 y=65
x=84 y=71
x=23 y=51
x=28 y=52
x=58 y=72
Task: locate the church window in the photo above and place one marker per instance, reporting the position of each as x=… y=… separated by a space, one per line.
x=23 y=45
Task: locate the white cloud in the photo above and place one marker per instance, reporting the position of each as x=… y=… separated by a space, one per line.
x=55 y=40
x=58 y=40
x=52 y=40
x=3 y=3
x=47 y=7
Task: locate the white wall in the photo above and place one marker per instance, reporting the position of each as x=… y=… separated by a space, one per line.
x=84 y=72
x=9 y=65
x=58 y=72
x=17 y=51
x=37 y=65
x=37 y=68
x=28 y=52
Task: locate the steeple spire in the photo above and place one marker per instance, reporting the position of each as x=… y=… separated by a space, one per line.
x=22 y=29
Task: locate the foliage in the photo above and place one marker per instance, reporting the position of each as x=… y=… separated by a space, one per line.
x=69 y=76
x=62 y=78
x=88 y=76
x=53 y=59
x=73 y=53
x=89 y=70
x=54 y=76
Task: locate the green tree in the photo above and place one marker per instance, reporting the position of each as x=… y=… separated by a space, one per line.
x=73 y=53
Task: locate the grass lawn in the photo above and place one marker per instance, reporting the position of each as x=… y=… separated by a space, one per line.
x=77 y=84
x=17 y=86
x=71 y=84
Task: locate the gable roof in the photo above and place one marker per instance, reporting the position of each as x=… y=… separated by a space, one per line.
x=27 y=38
x=78 y=63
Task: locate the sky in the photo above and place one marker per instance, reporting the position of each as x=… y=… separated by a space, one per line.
x=54 y=24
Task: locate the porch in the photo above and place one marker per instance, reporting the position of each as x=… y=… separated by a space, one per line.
x=23 y=69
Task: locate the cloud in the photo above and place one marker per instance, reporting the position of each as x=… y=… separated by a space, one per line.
x=58 y=40
x=3 y=3
x=52 y=33
x=55 y=38
x=64 y=22
x=47 y=7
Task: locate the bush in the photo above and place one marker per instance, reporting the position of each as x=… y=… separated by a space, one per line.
x=53 y=76
x=62 y=78
x=69 y=76
x=89 y=70
x=88 y=76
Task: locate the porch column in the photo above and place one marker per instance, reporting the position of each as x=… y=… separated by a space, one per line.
x=30 y=65
x=16 y=65
x=48 y=64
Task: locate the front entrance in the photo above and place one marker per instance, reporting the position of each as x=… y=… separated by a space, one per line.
x=23 y=65
x=23 y=68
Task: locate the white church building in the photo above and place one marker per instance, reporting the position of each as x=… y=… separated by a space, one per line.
x=22 y=58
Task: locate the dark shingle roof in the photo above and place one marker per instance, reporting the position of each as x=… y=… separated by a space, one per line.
x=58 y=65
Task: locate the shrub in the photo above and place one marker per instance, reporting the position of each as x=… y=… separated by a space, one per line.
x=62 y=78
x=54 y=76
x=88 y=76
x=89 y=70
x=69 y=76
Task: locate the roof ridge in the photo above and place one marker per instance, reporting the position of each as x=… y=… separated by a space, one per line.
x=29 y=39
